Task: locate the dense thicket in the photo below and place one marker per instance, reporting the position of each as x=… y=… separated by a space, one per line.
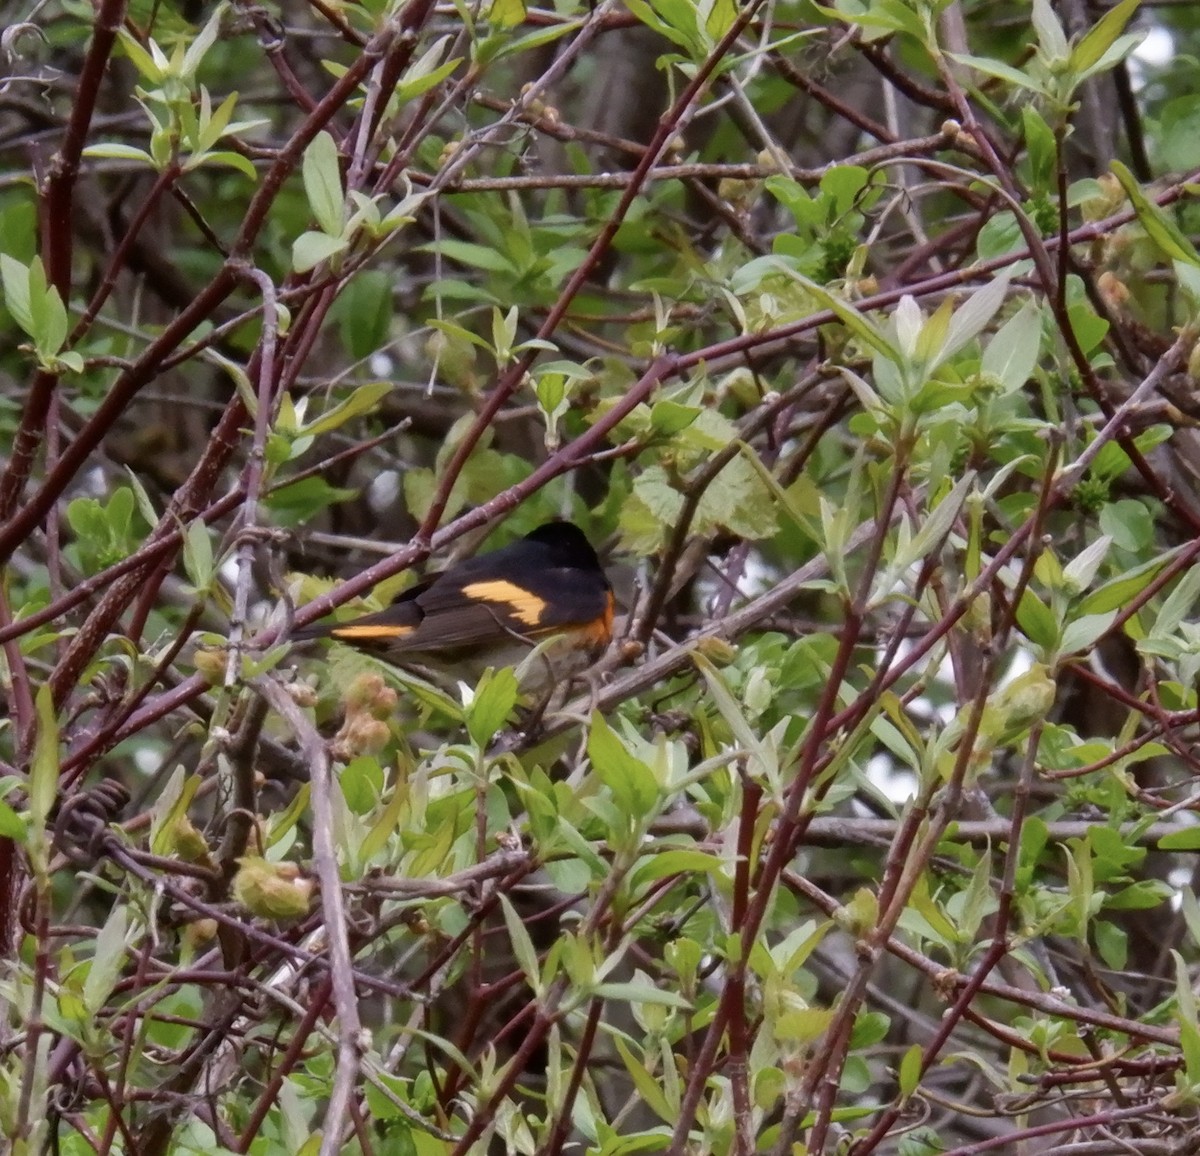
x=859 y=339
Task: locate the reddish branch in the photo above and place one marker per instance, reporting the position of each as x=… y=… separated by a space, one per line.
x=667 y=129
x=57 y=231
x=762 y=867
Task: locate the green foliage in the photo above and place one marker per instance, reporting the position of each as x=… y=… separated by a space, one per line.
x=896 y=741
x=105 y=532
x=38 y=309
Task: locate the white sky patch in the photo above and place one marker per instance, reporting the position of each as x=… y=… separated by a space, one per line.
x=384 y=491
x=148 y=759
x=1153 y=53
x=893 y=778
x=381 y=364
x=897 y=783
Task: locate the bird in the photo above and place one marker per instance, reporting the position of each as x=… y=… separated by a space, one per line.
x=547 y=590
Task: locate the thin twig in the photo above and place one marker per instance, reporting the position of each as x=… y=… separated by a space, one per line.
x=345 y=1000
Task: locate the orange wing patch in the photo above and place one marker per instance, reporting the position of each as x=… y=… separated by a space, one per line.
x=599 y=632
x=370 y=632
x=521 y=604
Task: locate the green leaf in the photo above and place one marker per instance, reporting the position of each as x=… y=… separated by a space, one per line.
x=1189 y=1032
x=648 y=1090
x=794 y=197
x=386 y=824
x=476 y=256
x=720 y=18
x=1089 y=327
x=1112 y=942
x=228 y=159
x=1096 y=42
x=788 y=500
x=504 y=333
x=523 y=949
x=843 y=183
x=880 y=15
x=937 y=525
x=1037 y=621
x=650 y=511
x=710 y=431
x=12 y=825
x=1142 y=895
x=119 y=513
x=1179 y=139
x=1160 y=228
x=363 y=214
x=1123 y=46
x=976 y=902
x=148 y=67
x=361 y=781
x=802 y=1025
x=514 y=45
x=1190 y=910
x=49 y=319
x=16 y=290
x=1052 y=40
x=1129 y=523
x=1118 y=592
x=295 y=504
x=551 y=391
x=731 y=711
x=214 y=122
x=641 y=993
x=108 y=960
x=323 y=184
x=18 y=229
x=925 y=910
x=631 y=781
x=495 y=697
x=666 y=24
x=1012 y=354
x=972 y=317
x=1080 y=572
x=204 y=40
x=750 y=276
x=86 y=518
x=1040 y=148
x=506 y=13
x=1000 y=236
x=1180 y=604
x=995 y=68
x=737 y=501
x=171 y=806
x=426 y=72
x=144 y=504
x=310 y=249
x=681 y=862
x=198 y=555
x=162 y=148
x=43 y=772
x=363 y=400
x=1187 y=275
x=119 y=152
x=1188 y=839
x=1081 y=633
x=364 y=312
x=910 y=1070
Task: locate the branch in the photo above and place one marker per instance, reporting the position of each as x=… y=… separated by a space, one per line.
x=341 y=962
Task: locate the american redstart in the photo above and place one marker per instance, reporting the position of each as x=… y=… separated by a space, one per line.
x=492 y=610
